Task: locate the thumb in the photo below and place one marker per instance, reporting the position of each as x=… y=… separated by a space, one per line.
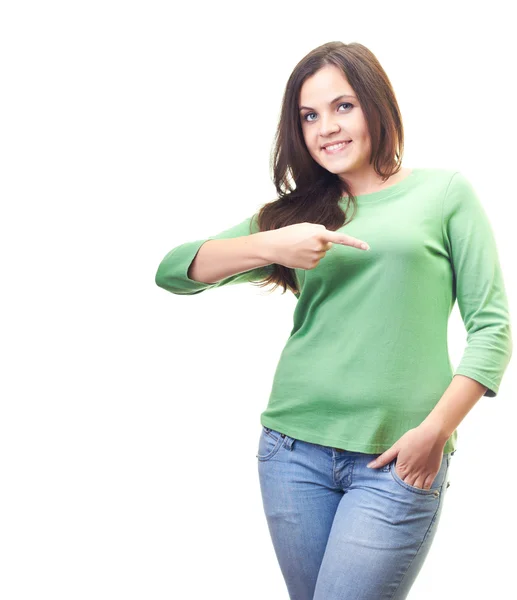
x=383 y=459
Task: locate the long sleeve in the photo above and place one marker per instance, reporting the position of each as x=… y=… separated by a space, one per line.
x=478 y=285
x=172 y=273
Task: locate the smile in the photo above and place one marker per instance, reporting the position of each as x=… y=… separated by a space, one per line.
x=336 y=148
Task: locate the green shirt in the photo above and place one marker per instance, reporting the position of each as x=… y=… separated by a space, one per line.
x=367 y=357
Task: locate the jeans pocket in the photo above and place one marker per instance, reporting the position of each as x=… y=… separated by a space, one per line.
x=270 y=443
x=435 y=486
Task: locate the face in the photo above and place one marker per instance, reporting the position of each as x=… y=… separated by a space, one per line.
x=325 y=121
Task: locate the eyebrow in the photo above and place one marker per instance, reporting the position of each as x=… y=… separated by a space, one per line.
x=332 y=102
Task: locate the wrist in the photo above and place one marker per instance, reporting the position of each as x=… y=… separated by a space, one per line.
x=435 y=430
x=264 y=248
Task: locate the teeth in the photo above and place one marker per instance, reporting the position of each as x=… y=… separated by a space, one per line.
x=336 y=146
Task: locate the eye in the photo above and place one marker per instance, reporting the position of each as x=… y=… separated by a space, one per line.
x=311 y=120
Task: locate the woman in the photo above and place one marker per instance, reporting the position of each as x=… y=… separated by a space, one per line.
x=365 y=373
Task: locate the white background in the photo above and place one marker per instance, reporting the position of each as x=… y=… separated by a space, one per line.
x=129 y=415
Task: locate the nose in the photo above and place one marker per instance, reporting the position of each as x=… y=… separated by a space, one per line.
x=328 y=127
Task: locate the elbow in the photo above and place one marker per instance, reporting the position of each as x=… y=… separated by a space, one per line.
x=165 y=279
x=173 y=271
x=159 y=278
x=175 y=282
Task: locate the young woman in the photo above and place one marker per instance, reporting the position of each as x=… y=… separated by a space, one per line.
x=365 y=373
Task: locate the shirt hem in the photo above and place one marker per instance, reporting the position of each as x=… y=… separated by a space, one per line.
x=314 y=438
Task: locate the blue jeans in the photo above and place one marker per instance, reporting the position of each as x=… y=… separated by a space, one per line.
x=340 y=530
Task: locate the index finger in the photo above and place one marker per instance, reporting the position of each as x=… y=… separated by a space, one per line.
x=346 y=240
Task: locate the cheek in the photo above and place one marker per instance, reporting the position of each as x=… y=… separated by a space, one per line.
x=311 y=144
x=308 y=139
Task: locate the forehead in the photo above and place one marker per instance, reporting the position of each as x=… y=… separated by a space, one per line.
x=324 y=87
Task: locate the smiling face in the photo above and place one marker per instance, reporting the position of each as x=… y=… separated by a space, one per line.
x=330 y=112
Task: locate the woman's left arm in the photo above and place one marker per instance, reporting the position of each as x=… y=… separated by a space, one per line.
x=480 y=291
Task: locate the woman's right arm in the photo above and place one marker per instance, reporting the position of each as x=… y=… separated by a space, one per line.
x=243 y=253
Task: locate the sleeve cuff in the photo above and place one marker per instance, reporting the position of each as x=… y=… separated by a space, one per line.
x=492 y=388
x=172 y=274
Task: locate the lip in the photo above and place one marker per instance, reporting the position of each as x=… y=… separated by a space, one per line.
x=338 y=150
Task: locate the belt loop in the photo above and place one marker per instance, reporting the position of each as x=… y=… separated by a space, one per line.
x=288 y=442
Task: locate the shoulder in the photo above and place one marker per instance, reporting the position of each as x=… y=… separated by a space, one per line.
x=438 y=174
x=460 y=196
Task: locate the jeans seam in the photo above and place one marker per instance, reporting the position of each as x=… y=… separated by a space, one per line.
x=422 y=542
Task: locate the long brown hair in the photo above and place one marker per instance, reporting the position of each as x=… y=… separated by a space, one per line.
x=315 y=196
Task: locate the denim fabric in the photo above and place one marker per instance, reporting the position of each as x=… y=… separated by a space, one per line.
x=340 y=530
